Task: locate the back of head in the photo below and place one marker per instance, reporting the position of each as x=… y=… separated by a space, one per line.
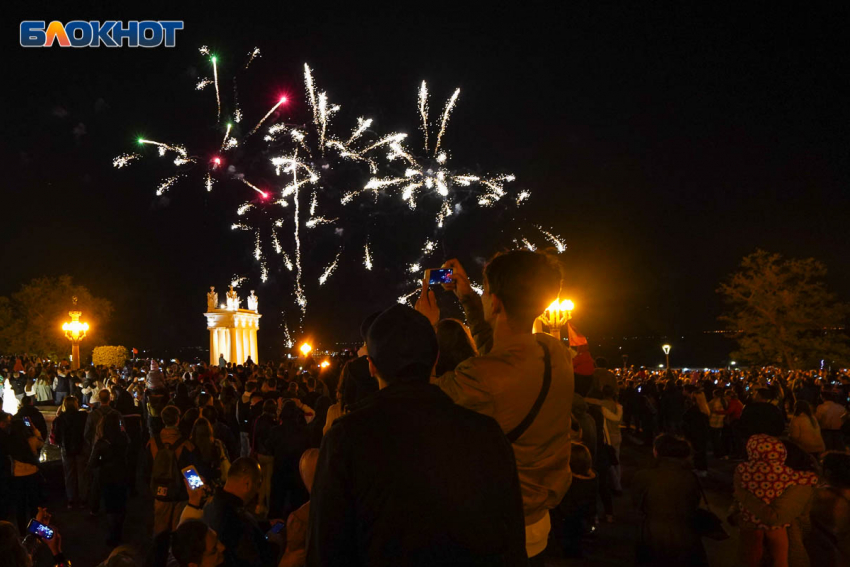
x=798 y=459
x=188 y=542
x=525 y=282
x=202 y=437
x=836 y=469
x=122 y=556
x=245 y=468
x=270 y=407
x=103 y=396
x=454 y=343
x=581 y=462
x=69 y=404
x=764 y=394
x=671 y=447
x=170 y=416
x=608 y=392
x=601 y=362
x=209 y=413
x=802 y=407
x=402 y=345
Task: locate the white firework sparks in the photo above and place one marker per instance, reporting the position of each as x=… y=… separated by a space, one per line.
x=252 y=55
x=423 y=111
x=560 y=243
x=124 y=160
x=166 y=185
x=367 y=259
x=329 y=270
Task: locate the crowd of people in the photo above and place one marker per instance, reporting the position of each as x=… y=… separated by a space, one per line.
x=439 y=442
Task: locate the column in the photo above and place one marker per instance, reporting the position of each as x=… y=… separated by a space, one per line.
x=234 y=355
x=254 y=348
x=246 y=344
x=213 y=348
x=223 y=343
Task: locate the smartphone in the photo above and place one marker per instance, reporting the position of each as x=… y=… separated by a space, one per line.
x=193 y=478
x=27 y=422
x=37 y=528
x=276 y=529
x=85 y=406
x=437 y=277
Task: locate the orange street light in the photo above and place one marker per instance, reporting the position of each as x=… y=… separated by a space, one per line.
x=75 y=331
x=306 y=348
x=557 y=315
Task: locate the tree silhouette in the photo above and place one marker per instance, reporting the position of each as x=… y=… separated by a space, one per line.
x=31 y=320
x=783 y=314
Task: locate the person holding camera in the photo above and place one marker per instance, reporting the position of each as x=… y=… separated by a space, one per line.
x=523 y=380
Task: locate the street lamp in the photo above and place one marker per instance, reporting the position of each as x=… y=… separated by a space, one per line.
x=557 y=315
x=75 y=331
x=305 y=349
x=666 y=349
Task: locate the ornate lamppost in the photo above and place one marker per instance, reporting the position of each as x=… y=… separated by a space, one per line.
x=666 y=349
x=556 y=316
x=75 y=331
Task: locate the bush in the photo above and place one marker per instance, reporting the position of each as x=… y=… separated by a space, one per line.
x=109 y=356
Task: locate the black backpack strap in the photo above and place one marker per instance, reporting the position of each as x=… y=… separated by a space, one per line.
x=517 y=431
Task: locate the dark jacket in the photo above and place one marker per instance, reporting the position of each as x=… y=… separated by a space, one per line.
x=92 y=422
x=35 y=417
x=413 y=479
x=68 y=430
x=761 y=417
x=244 y=542
x=668 y=495
x=109 y=460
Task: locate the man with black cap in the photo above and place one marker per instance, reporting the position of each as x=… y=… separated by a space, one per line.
x=410 y=478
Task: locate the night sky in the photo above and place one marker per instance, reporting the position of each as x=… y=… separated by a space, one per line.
x=663 y=142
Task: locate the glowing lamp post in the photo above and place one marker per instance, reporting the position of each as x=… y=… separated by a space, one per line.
x=666 y=349
x=557 y=315
x=306 y=349
x=75 y=331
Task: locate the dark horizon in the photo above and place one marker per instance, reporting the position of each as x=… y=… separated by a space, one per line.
x=663 y=143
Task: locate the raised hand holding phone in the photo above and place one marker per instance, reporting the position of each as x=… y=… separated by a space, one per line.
x=427 y=302
x=459 y=280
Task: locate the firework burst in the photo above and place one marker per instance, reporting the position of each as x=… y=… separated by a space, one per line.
x=321 y=185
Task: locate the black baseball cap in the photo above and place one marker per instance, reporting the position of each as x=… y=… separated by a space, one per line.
x=402 y=345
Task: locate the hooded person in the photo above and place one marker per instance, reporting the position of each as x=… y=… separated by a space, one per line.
x=766 y=476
